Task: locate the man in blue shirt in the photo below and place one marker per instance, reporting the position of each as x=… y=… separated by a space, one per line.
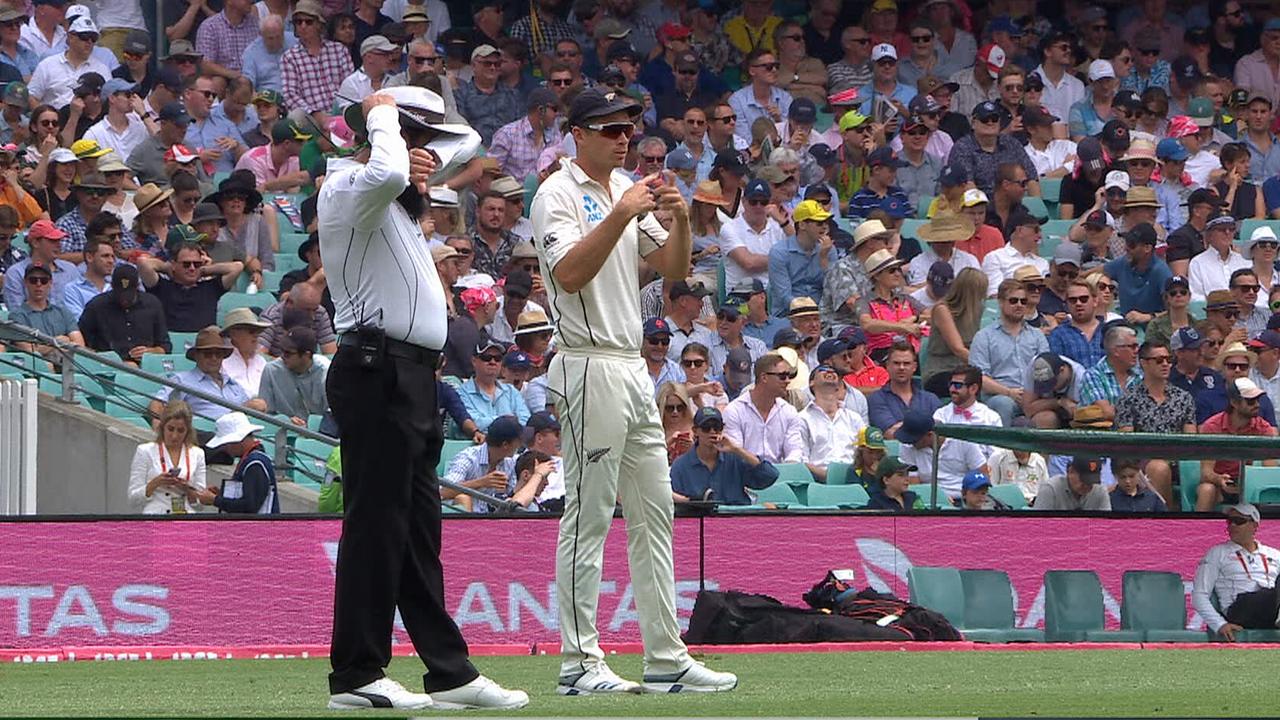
x=484 y=396
x=797 y=264
x=217 y=139
x=760 y=324
x=884 y=88
x=761 y=97
x=715 y=468
x=881 y=184
x=208 y=377
x=887 y=406
x=1140 y=275
x=490 y=466
x=262 y=57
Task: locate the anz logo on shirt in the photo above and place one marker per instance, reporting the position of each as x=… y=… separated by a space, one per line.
x=594 y=212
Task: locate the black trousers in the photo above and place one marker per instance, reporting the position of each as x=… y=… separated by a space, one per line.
x=389 y=555
x=1255 y=610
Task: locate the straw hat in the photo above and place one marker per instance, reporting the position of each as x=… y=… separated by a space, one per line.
x=1237 y=349
x=210 y=338
x=1141 y=196
x=241 y=317
x=532 y=321
x=867 y=231
x=1140 y=150
x=150 y=195
x=802 y=306
x=710 y=192
x=880 y=261
x=946 y=227
x=1090 y=416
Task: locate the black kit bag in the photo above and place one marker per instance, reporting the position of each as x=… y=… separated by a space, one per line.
x=735 y=618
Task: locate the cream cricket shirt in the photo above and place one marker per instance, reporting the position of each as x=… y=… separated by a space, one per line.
x=605 y=314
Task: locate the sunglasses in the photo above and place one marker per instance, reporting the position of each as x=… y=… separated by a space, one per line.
x=734 y=318
x=96 y=192
x=87 y=37
x=1161 y=359
x=661 y=342
x=304 y=20
x=1016 y=301
x=689 y=73
x=1247 y=288
x=693 y=363
x=957 y=384
x=1079 y=299
x=1176 y=293
x=420 y=59
x=653 y=158
x=1107 y=286
x=1012 y=87
x=712 y=427
x=1236 y=366
x=613 y=130
x=767 y=66
x=921 y=38
x=563 y=82
x=673 y=408
x=191 y=263
x=726 y=119
x=1266 y=245
x=38 y=281
x=463 y=251
x=48 y=123
x=1229 y=314
x=1060 y=272
x=695 y=122
x=489 y=358
x=209 y=94
x=757 y=201
x=1237 y=520
x=787 y=375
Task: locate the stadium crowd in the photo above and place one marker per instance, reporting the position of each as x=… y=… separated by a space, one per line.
x=153 y=188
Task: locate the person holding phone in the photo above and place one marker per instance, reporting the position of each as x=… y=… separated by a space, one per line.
x=1219 y=479
x=167 y=474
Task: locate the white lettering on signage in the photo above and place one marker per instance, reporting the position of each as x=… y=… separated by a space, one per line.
x=133 y=614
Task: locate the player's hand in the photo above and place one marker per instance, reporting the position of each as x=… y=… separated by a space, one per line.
x=639 y=198
x=374 y=101
x=1228 y=631
x=421 y=166
x=668 y=197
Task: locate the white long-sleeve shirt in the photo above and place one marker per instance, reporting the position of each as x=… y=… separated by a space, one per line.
x=777 y=438
x=1229 y=570
x=1208 y=272
x=147 y=463
x=830 y=439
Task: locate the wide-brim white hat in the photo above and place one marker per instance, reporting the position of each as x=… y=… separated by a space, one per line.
x=232 y=427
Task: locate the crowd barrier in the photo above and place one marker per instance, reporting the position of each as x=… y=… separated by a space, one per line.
x=217 y=583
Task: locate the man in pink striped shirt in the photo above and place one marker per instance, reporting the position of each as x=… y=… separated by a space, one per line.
x=276 y=165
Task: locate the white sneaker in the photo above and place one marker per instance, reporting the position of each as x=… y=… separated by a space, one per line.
x=599 y=680
x=381 y=693
x=695 y=678
x=480 y=693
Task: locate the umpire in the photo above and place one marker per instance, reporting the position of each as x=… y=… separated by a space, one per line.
x=392 y=322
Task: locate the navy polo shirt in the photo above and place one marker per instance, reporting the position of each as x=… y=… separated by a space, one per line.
x=1141 y=290
x=189 y=309
x=1144 y=501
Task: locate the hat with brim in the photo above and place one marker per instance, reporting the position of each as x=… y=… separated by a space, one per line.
x=91 y=181
x=232 y=427
x=1090 y=416
x=111 y=162
x=418 y=106
x=801 y=307
x=210 y=338
x=530 y=322
x=230 y=188
x=242 y=317
x=150 y=195
x=440 y=253
x=710 y=192
x=593 y=104
x=205 y=212
x=869 y=230
x=946 y=228
x=880 y=261
x=1237 y=349
x=9 y=12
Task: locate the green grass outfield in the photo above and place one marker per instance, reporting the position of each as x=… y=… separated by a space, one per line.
x=1207 y=682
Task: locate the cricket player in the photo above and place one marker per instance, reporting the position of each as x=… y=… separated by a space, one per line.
x=591 y=226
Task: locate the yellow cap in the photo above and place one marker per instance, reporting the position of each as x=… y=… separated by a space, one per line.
x=810 y=210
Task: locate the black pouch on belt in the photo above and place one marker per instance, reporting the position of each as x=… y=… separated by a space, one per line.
x=372 y=346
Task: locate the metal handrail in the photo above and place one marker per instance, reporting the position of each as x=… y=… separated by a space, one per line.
x=282 y=427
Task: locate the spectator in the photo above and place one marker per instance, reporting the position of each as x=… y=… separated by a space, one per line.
x=704 y=390
x=533 y=336
x=1244 y=290
x=38 y=313
x=245 y=364
x=1087 y=117
x=1053 y=157
x=847 y=282
x=716 y=468
x=58 y=196
x=729 y=335
x=986 y=148
x=803 y=76
x=1051 y=390
x=955 y=321
x=1177 y=297
x=148 y=158
x=466 y=329
x=275 y=166
x=1244 y=583
x=920 y=169
x=924 y=56
x=517 y=368
x=1114 y=375
x=1063 y=270
x=657 y=341
x=1140 y=275
x=300 y=306
x=892 y=478
x=1189 y=369
x=938 y=281
x=975 y=493
x=1236 y=361
x=847 y=354
x=1129 y=495
x=941 y=235
x=9 y=254
x=262 y=58
x=956 y=458
x=483 y=101
x=806 y=327
x=1010 y=188
x=45 y=241
x=379 y=57
x=1253 y=71
x=1223 y=313
x=887 y=314
x=797 y=264
x=677 y=418
x=761 y=421
x=737 y=372
x=1220 y=479
x=167 y=473
x=750 y=298
x=1261 y=251
x=1241 y=198
x=55 y=77
x=92 y=192
x=887 y=406
x=545 y=439
x=120 y=129
x=530 y=479
x=1266 y=370
x=829 y=429
x=517 y=145
x=1155 y=406
x=748 y=239
x=1018 y=467
x=484 y=396
x=880 y=184
x=514 y=302
x=1023 y=232
x=492 y=244
x=1080 y=337
x=964 y=408
x=1004 y=350
x=208 y=353
x=683 y=315
x=853 y=70
x=1078 y=195
x=761 y=96
x=293 y=384
x=1078 y=489
x=191 y=287
x=151 y=224
x=124 y=320
x=312 y=70
x=1062 y=89
x=252 y=487
x=869 y=451
x=245 y=227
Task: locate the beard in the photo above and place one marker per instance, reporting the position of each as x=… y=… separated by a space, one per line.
x=413 y=202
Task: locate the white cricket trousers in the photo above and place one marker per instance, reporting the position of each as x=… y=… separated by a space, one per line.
x=614 y=450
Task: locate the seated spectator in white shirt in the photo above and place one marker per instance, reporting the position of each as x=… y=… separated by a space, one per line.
x=1022 y=232
x=1053 y=157
x=246 y=363
x=761 y=420
x=545 y=439
x=956 y=458
x=830 y=430
x=746 y=240
x=488 y=467
x=1211 y=269
x=1242 y=574
x=965 y=408
x=1079 y=489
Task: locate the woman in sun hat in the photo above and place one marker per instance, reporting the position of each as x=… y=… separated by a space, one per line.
x=708 y=202
x=151 y=224
x=888 y=313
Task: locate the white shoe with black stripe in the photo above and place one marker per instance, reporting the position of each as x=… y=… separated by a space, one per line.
x=695 y=678
x=480 y=694
x=381 y=693
x=599 y=680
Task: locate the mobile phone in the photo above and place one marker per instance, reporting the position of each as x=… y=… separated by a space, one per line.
x=173 y=471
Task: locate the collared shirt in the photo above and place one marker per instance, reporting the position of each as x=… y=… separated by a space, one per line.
x=1004 y=468
x=692 y=478
x=1054 y=156
x=1158 y=77
x=291 y=394
x=1254 y=319
x=9 y=257
x=1172 y=212
x=668 y=372
x=1100 y=382
x=1000 y=265
x=1144 y=500
x=1138 y=410
x=1253 y=72
x=920 y=181
x=1141 y=290
x=248 y=119
x=982 y=164
x=918 y=268
x=737 y=233
x=516 y=148
x=765 y=331
x=680 y=338
x=1058 y=98
x=540 y=34
x=357 y=86
x=486 y=112
x=490 y=261
x=885 y=409
x=1208 y=271
x=76 y=228
x=1228 y=571
x=956 y=458
x=15 y=290
x=78 y=294
x=1269 y=384
x=189 y=308
x=794 y=272
x=34 y=39
x=901 y=92
x=1004 y=357
x=976 y=414
x=55 y=78
x=248 y=373
x=107 y=326
x=1069 y=340
x=777 y=438
x=223 y=43
x=53 y=320
x=271 y=340
x=258 y=161
x=204 y=134
x=310 y=81
x=1262 y=164
x=228 y=389
x=24 y=60
x=483 y=407
x=472 y=463
x=720 y=351
x=964 y=100
x=747 y=108
x=829 y=438
x=263 y=66
x=1055 y=494
x=842 y=75
x=865 y=200
x=123 y=142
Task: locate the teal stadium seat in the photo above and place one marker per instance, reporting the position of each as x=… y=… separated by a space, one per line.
x=988 y=608
x=849 y=497
x=1188 y=481
x=925 y=491
x=838 y=473
x=1155 y=605
x=1036 y=207
x=911 y=227
x=922 y=208
x=1050 y=189
x=1259 y=479
x=1248 y=226
x=779 y=493
x=1010 y=495
x=167 y=364
x=940 y=590
x=1073 y=609
x=232 y=300
x=451 y=448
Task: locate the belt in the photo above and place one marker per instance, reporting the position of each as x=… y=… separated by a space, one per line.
x=397 y=348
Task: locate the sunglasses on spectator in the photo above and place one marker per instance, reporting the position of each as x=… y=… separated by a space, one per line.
x=921 y=38
x=87 y=37
x=304 y=20
x=191 y=263
x=489 y=358
x=1106 y=286
x=1229 y=314
x=1265 y=244
x=613 y=130
x=689 y=73
x=1012 y=86
x=38 y=280
x=786 y=375
x=1162 y=359
x=653 y=158
x=1236 y=519
x=1236 y=365
x=693 y=362
x=420 y=59
x=1178 y=292
x=1079 y=299
x=1247 y=288
x=463 y=251
x=695 y=122
x=1016 y=300
x=958 y=384
x=712 y=427
x=661 y=341
x=757 y=201
x=673 y=408
x=562 y=82
x=767 y=66
x=97 y=192
x=48 y=123
x=726 y=119
x=1065 y=273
